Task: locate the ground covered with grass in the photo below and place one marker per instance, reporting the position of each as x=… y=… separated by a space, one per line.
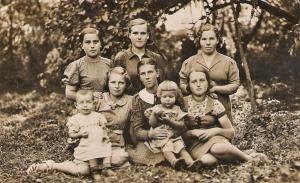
x=32 y=129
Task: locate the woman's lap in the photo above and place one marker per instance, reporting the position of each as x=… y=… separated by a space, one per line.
x=142 y=155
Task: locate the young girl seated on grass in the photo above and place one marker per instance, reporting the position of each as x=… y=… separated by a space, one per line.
x=169 y=116
x=93 y=154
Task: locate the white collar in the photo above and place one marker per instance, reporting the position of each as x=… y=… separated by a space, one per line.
x=147 y=96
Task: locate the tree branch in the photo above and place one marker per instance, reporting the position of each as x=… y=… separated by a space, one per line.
x=265 y=6
x=248 y=37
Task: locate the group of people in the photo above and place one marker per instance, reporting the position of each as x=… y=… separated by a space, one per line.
x=125 y=114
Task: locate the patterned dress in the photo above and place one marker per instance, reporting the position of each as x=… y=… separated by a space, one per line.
x=169 y=144
x=195 y=108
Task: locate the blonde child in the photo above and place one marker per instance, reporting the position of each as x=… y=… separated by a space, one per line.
x=94 y=150
x=169 y=116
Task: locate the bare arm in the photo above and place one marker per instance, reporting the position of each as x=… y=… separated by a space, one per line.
x=153 y=120
x=204 y=134
x=176 y=124
x=80 y=134
x=225 y=89
x=227 y=130
x=189 y=134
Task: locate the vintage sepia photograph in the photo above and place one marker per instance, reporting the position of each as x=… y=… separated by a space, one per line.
x=158 y=91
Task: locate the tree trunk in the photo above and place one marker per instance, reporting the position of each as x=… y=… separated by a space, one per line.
x=243 y=58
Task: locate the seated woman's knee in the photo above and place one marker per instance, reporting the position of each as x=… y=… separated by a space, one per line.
x=208 y=160
x=219 y=149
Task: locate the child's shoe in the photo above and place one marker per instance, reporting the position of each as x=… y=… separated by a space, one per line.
x=44 y=166
x=178 y=164
x=195 y=165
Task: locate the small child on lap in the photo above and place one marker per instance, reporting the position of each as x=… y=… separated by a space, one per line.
x=169 y=116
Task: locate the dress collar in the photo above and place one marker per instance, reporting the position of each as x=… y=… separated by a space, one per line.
x=201 y=60
x=147 y=96
x=121 y=102
x=191 y=99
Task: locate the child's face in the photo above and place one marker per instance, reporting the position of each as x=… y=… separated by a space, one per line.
x=84 y=104
x=168 y=98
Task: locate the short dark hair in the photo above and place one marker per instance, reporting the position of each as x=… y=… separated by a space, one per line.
x=88 y=30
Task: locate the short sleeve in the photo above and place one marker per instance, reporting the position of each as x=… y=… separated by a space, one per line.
x=218 y=109
x=233 y=73
x=107 y=61
x=183 y=73
x=73 y=126
x=71 y=74
x=119 y=59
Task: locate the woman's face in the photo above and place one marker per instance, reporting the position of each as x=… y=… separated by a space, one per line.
x=208 y=42
x=139 y=36
x=198 y=83
x=116 y=84
x=91 y=45
x=148 y=76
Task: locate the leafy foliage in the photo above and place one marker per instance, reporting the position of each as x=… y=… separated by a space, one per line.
x=39 y=38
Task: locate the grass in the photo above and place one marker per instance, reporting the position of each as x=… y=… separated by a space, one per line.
x=32 y=129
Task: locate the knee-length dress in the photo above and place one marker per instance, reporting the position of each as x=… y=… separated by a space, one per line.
x=97 y=144
x=194 y=108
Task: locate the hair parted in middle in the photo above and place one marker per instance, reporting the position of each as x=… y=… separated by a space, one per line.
x=146 y=61
x=167 y=86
